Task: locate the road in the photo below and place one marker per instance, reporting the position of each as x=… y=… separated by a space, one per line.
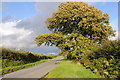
x=36 y=72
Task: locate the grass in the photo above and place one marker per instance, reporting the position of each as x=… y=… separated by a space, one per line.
x=68 y=69
x=16 y=68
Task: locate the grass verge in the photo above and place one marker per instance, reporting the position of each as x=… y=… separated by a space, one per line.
x=68 y=69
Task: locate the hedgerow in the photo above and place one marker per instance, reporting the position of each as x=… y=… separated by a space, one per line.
x=13 y=60
x=105 y=60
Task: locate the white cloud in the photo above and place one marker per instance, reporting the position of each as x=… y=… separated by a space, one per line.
x=7 y=28
x=117 y=36
x=13 y=37
x=21 y=34
x=52 y=53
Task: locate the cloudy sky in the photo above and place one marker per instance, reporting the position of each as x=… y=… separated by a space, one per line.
x=23 y=21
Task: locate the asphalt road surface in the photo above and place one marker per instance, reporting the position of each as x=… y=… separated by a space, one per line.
x=36 y=72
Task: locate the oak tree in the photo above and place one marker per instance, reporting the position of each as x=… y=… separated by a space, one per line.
x=76 y=27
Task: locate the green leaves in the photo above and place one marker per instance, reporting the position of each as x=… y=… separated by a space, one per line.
x=104 y=60
x=49 y=39
x=81 y=18
x=78 y=29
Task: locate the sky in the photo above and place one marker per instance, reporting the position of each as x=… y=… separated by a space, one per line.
x=23 y=21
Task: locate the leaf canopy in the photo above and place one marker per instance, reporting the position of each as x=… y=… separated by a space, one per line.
x=76 y=28
x=79 y=17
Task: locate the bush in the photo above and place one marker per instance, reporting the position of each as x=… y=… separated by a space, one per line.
x=104 y=60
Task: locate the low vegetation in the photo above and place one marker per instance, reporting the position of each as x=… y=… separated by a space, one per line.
x=14 y=66
x=25 y=56
x=13 y=60
x=68 y=69
x=103 y=60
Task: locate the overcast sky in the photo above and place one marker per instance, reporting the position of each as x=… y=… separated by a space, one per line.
x=23 y=21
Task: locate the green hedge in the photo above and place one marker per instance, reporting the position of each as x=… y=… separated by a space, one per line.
x=13 y=60
x=25 y=56
x=105 y=60
x=15 y=68
x=10 y=63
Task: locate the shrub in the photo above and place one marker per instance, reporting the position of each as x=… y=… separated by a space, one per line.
x=104 y=60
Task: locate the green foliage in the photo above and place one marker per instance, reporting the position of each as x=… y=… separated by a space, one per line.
x=25 y=56
x=13 y=60
x=81 y=32
x=105 y=60
x=9 y=63
x=76 y=28
x=79 y=17
x=13 y=67
x=74 y=43
x=109 y=49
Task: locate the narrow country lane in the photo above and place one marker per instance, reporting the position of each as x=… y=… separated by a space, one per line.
x=35 y=72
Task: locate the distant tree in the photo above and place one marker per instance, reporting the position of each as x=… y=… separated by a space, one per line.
x=75 y=27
